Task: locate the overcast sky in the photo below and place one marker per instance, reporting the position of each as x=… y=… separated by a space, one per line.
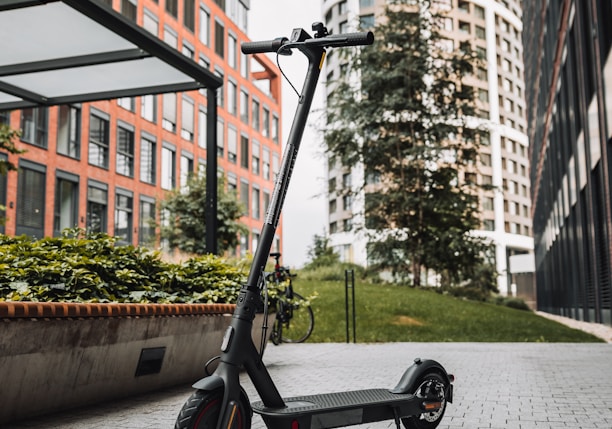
x=304 y=212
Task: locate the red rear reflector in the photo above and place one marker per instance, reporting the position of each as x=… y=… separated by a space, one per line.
x=295 y=425
x=432 y=406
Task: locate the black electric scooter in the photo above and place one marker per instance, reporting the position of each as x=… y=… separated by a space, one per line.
x=219 y=402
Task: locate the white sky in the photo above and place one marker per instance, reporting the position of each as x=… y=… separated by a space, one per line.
x=304 y=211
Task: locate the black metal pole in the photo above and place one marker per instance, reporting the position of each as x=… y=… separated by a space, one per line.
x=211 y=171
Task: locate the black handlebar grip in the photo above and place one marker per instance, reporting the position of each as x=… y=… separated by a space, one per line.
x=348 y=39
x=264 y=46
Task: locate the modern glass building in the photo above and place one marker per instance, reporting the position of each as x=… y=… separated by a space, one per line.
x=104 y=165
x=568 y=68
x=494 y=29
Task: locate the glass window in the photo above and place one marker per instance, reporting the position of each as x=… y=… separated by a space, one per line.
x=244 y=107
x=148 y=107
x=128 y=9
x=204 y=30
x=146 y=222
x=186 y=169
x=172 y=7
x=220 y=138
x=265 y=131
x=244 y=196
x=275 y=129
x=34 y=126
x=189 y=14
x=30 y=216
x=125 y=151
x=97 y=204
x=98 y=141
x=231 y=97
x=366 y=21
x=69 y=131
x=124 y=203
x=231 y=51
x=255 y=115
x=187 y=119
x=149 y=23
x=219 y=39
x=366 y=3
x=255 y=158
x=168 y=168
x=66 y=203
x=244 y=65
x=255 y=204
x=266 y=163
x=232 y=142
x=244 y=152
x=202 y=128
x=169 y=112
x=147 y=160
x=128 y=103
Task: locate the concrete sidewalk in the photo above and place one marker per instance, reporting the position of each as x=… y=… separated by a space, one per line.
x=498 y=385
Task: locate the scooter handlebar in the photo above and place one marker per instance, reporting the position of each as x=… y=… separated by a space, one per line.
x=263 y=46
x=332 y=40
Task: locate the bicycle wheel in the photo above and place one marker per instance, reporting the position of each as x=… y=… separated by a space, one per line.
x=201 y=411
x=277 y=332
x=301 y=323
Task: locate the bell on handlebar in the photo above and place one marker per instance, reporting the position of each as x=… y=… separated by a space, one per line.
x=321 y=30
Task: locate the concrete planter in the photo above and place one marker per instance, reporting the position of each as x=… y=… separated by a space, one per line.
x=55 y=356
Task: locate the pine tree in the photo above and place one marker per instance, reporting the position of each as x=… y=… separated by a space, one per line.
x=407 y=121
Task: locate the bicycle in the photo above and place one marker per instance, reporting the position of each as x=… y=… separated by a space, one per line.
x=418 y=400
x=294 y=320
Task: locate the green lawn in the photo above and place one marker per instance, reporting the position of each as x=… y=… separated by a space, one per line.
x=387 y=313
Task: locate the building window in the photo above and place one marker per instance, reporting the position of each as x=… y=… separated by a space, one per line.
x=204 y=30
x=275 y=163
x=125 y=151
x=189 y=14
x=66 y=202
x=231 y=97
x=187 y=119
x=266 y=123
x=34 y=126
x=244 y=152
x=332 y=206
x=3 y=186
x=244 y=107
x=244 y=66
x=255 y=158
x=202 y=129
x=244 y=196
x=147 y=160
x=97 y=203
x=266 y=163
x=69 y=131
x=168 y=168
x=464 y=27
x=275 y=129
x=366 y=21
x=148 y=107
x=124 y=203
x=146 y=222
x=231 y=51
x=342 y=7
x=220 y=138
x=219 y=39
x=232 y=143
x=30 y=216
x=255 y=115
x=187 y=169
x=128 y=103
x=266 y=201
x=366 y=3
x=169 y=112
x=480 y=32
x=149 y=23
x=172 y=7
x=98 y=141
x=128 y=9
x=255 y=204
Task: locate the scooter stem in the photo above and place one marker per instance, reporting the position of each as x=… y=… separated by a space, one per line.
x=315 y=55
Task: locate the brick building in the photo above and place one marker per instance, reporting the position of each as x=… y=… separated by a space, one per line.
x=104 y=165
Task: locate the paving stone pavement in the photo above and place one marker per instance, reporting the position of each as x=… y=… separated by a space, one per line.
x=498 y=385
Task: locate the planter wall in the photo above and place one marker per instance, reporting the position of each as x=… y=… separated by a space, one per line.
x=56 y=356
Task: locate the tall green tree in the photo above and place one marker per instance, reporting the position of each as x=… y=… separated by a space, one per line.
x=407 y=122
x=7 y=143
x=184 y=211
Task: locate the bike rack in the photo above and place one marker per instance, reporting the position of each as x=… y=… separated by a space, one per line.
x=349 y=283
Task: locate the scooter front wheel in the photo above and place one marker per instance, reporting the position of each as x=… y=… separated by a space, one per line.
x=202 y=409
x=430 y=386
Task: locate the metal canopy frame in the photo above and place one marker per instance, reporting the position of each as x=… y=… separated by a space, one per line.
x=70 y=51
x=74 y=51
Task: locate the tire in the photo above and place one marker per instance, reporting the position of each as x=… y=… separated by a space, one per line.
x=299 y=327
x=201 y=411
x=277 y=332
x=430 y=420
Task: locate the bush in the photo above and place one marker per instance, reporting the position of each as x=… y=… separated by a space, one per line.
x=79 y=267
x=512 y=302
x=333 y=272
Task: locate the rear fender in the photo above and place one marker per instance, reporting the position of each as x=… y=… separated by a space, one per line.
x=408 y=382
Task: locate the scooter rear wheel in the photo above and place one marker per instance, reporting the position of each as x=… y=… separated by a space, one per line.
x=201 y=411
x=430 y=383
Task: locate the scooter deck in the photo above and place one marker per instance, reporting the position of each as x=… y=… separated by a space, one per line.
x=339 y=409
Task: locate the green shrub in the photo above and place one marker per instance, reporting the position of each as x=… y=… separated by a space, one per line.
x=333 y=272
x=79 y=267
x=512 y=302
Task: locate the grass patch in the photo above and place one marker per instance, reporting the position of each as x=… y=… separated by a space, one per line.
x=392 y=313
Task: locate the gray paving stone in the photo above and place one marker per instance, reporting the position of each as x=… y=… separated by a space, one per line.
x=498 y=385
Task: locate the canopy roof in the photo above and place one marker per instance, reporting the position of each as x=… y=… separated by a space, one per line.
x=72 y=51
